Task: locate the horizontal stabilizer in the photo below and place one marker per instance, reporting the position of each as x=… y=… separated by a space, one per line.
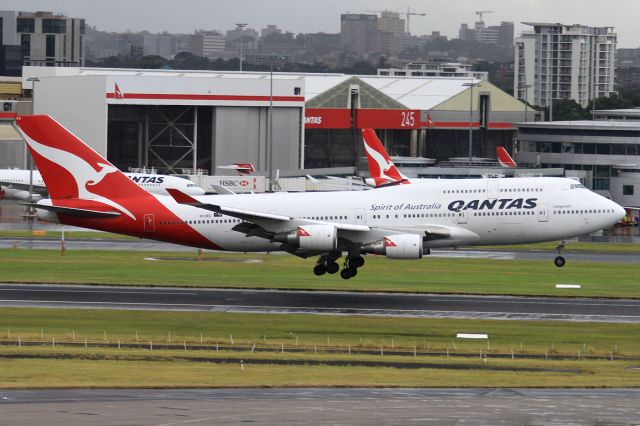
x=71 y=211
x=221 y=190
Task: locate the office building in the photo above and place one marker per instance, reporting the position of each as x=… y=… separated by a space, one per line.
x=40 y=38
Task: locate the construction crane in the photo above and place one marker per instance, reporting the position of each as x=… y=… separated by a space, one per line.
x=406 y=14
x=481 y=13
x=409 y=14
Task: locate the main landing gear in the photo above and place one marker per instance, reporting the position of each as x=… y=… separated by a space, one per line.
x=351 y=265
x=327 y=263
x=559 y=261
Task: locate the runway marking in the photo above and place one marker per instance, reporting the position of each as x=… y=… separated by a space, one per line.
x=322 y=310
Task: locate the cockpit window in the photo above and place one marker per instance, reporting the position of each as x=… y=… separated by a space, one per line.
x=577 y=185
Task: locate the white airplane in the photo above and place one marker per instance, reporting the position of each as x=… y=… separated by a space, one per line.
x=399 y=222
x=14 y=184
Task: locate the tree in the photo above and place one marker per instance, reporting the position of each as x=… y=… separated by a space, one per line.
x=568 y=109
x=612 y=102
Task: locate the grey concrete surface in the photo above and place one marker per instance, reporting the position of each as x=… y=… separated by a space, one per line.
x=322 y=302
x=322 y=406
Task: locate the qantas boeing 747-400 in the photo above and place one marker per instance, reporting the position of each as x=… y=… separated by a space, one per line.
x=400 y=221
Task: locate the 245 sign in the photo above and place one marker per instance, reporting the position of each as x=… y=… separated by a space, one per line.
x=408 y=119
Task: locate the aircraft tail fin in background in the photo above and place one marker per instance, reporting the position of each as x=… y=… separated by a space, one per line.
x=505 y=159
x=382 y=170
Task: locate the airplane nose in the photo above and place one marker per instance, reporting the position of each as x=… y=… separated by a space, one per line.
x=619 y=211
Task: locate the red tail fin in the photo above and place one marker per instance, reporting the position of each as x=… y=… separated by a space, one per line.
x=381 y=168
x=71 y=169
x=505 y=159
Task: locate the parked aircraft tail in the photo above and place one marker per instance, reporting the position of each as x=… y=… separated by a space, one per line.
x=505 y=159
x=383 y=171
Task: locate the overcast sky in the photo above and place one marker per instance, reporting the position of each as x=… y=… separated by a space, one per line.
x=307 y=16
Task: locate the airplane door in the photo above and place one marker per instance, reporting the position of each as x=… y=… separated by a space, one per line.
x=462 y=216
x=360 y=216
x=149 y=223
x=493 y=188
x=543 y=214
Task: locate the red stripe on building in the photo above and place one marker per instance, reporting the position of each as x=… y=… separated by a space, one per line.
x=195 y=97
x=8 y=115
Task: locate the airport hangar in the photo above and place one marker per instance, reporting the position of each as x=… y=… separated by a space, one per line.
x=181 y=121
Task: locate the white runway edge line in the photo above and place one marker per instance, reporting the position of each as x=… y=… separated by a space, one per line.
x=568 y=286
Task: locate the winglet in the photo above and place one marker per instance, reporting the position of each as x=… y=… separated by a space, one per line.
x=181 y=197
x=505 y=159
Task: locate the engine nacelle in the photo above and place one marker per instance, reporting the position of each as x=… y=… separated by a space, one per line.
x=312 y=237
x=18 y=194
x=47 y=216
x=402 y=246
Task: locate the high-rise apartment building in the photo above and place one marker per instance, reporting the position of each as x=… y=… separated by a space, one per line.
x=556 y=61
x=44 y=38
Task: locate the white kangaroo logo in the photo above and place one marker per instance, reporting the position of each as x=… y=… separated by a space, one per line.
x=82 y=172
x=383 y=164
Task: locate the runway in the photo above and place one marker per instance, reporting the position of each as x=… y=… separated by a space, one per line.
x=468 y=253
x=321 y=302
x=308 y=406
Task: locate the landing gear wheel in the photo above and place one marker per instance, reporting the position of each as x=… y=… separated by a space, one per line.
x=347 y=273
x=332 y=267
x=559 y=261
x=319 y=269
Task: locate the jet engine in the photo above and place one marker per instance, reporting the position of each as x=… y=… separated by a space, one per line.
x=402 y=246
x=17 y=194
x=312 y=237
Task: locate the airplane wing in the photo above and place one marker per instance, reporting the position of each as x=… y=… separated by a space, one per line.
x=72 y=211
x=257 y=217
x=23 y=186
x=266 y=225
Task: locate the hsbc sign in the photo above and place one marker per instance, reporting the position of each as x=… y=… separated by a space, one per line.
x=237 y=183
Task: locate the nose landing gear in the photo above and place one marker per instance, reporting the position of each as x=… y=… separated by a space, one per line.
x=559 y=261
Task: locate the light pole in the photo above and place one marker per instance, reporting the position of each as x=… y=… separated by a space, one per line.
x=471 y=85
x=270 y=124
x=33 y=81
x=241 y=28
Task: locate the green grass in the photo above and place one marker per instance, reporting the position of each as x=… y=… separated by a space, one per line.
x=321 y=330
x=448 y=275
x=110 y=367
x=73 y=373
